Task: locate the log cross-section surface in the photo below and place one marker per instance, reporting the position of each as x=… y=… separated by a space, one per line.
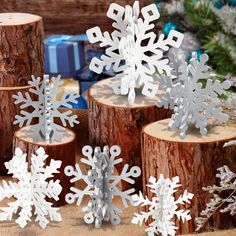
x=21 y=48
x=113 y=122
x=194 y=159
x=63 y=151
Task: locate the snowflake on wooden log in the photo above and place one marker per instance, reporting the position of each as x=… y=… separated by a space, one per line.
x=46 y=108
x=101 y=184
x=191 y=96
x=224 y=196
x=132 y=49
x=163 y=207
x=31 y=189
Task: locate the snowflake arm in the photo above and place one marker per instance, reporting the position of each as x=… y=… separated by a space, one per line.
x=163 y=207
x=31 y=189
x=132 y=49
x=46 y=108
x=191 y=99
x=101 y=184
x=227 y=189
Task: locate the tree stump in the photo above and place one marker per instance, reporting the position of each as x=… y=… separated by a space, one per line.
x=8 y=110
x=194 y=159
x=21 y=48
x=63 y=151
x=21 y=55
x=113 y=122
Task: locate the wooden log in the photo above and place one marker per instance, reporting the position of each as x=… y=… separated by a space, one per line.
x=63 y=151
x=21 y=48
x=194 y=159
x=8 y=110
x=113 y=122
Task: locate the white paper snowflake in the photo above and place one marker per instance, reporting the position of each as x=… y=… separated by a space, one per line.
x=101 y=184
x=46 y=108
x=191 y=96
x=132 y=49
x=31 y=189
x=163 y=207
x=230 y=143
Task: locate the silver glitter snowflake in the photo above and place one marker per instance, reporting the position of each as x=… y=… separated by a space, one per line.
x=227 y=18
x=163 y=207
x=31 y=189
x=191 y=96
x=223 y=197
x=132 y=49
x=46 y=108
x=101 y=184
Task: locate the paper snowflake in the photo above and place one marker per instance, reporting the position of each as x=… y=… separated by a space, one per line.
x=191 y=96
x=46 y=108
x=101 y=184
x=31 y=189
x=132 y=49
x=163 y=207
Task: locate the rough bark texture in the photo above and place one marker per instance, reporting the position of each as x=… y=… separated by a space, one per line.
x=8 y=110
x=64 y=152
x=67 y=16
x=195 y=163
x=21 y=51
x=112 y=125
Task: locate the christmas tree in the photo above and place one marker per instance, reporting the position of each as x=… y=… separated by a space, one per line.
x=212 y=23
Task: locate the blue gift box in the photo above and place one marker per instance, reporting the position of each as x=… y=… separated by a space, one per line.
x=64 y=54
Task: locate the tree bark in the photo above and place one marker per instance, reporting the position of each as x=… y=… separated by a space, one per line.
x=113 y=122
x=8 y=110
x=21 y=48
x=21 y=55
x=194 y=159
x=63 y=151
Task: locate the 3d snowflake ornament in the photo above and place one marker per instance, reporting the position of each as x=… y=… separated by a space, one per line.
x=31 y=189
x=101 y=184
x=46 y=108
x=163 y=207
x=132 y=49
x=190 y=98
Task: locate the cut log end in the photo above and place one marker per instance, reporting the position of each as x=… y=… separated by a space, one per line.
x=15 y=18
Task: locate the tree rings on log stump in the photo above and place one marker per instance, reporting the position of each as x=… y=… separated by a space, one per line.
x=194 y=159
x=63 y=151
x=113 y=122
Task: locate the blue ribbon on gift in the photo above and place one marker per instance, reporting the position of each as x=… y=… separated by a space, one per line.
x=53 y=41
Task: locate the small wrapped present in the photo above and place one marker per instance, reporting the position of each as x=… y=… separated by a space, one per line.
x=89 y=47
x=64 y=54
